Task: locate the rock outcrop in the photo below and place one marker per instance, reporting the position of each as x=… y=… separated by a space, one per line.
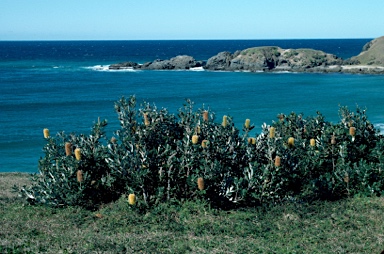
x=176 y=63
x=372 y=54
x=272 y=59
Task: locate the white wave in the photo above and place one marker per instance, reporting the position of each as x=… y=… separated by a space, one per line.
x=106 y=68
x=196 y=69
x=379 y=126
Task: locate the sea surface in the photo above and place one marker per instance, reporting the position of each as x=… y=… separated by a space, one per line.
x=66 y=86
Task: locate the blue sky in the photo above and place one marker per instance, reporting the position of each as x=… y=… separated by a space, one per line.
x=192 y=19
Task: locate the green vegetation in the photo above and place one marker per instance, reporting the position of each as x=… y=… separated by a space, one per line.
x=160 y=158
x=348 y=226
x=187 y=184
x=372 y=53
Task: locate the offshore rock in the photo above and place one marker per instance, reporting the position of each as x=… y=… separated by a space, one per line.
x=275 y=59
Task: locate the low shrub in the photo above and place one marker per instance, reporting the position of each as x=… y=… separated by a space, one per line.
x=160 y=157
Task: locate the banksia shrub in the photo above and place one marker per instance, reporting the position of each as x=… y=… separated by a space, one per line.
x=200 y=183
x=46 y=133
x=205 y=116
x=225 y=121
x=195 y=139
x=132 y=199
x=78 y=154
x=291 y=142
x=68 y=149
x=272 y=132
x=277 y=161
x=79 y=176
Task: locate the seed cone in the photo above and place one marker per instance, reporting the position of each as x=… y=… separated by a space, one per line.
x=291 y=142
x=204 y=143
x=46 y=133
x=272 y=132
x=146 y=121
x=113 y=140
x=312 y=142
x=78 y=154
x=352 y=131
x=132 y=199
x=205 y=116
x=247 y=123
x=68 y=149
x=277 y=161
x=200 y=183
x=195 y=139
x=79 y=176
x=225 y=121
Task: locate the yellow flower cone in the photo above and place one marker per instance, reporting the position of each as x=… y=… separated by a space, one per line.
x=78 y=154
x=272 y=132
x=46 y=133
x=247 y=123
x=225 y=121
x=195 y=139
x=132 y=199
x=312 y=142
x=291 y=142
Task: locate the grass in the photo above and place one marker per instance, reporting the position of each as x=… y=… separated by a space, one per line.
x=348 y=226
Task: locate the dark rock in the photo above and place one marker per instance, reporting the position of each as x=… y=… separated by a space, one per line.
x=123 y=65
x=219 y=62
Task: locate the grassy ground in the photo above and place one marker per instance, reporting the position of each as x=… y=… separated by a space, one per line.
x=348 y=226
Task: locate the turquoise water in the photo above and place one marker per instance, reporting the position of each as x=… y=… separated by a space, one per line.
x=62 y=86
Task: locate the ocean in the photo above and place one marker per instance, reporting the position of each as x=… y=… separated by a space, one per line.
x=66 y=86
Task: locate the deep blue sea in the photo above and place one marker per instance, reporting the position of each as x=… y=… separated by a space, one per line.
x=65 y=86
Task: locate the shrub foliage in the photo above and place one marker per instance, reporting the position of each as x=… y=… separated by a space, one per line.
x=161 y=157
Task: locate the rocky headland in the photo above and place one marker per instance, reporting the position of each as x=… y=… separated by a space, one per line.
x=275 y=59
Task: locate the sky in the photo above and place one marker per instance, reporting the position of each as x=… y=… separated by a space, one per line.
x=188 y=20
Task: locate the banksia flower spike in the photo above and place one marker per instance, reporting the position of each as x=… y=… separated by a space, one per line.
x=46 y=133
x=272 y=132
x=146 y=121
x=291 y=142
x=205 y=116
x=312 y=142
x=200 y=183
x=204 y=143
x=79 y=176
x=277 y=161
x=78 y=154
x=225 y=121
x=252 y=141
x=195 y=139
x=68 y=149
x=247 y=123
x=132 y=199
x=352 y=131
